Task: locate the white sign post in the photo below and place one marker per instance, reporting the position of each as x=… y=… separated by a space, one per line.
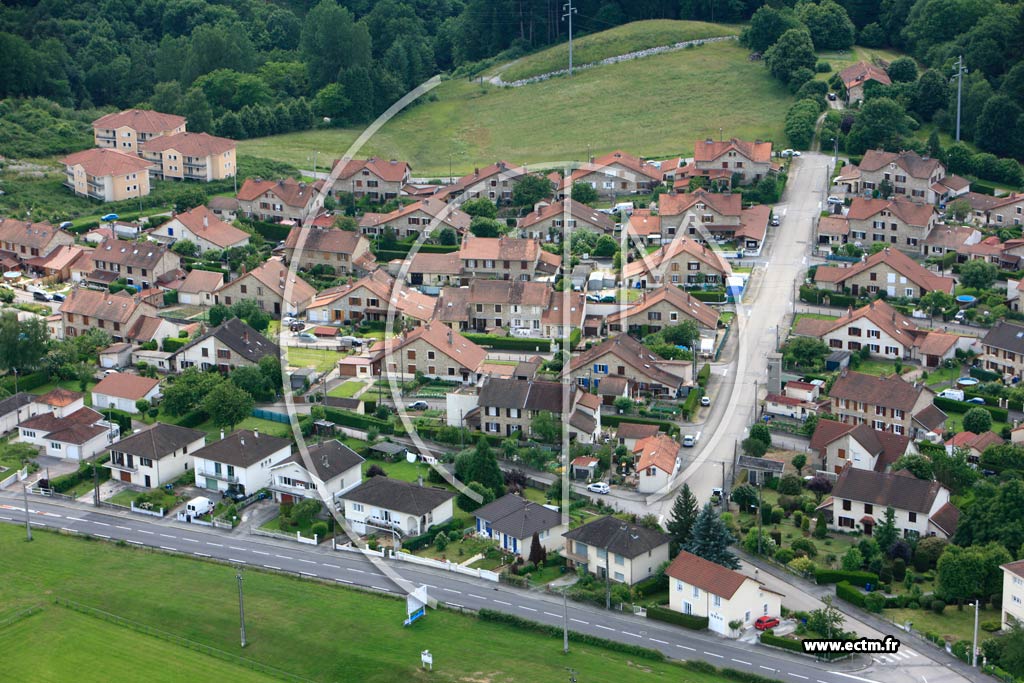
x=427 y=660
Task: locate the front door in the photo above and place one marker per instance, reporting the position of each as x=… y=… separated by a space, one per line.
x=868 y=526
x=148 y=482
x=126 y=476
x=277 y=309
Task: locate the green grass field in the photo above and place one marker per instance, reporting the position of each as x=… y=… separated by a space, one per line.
x=638 y=35
x=321 y=359
x=322 y=632
x=346 y=389
x=58 y=645
x=658 y=106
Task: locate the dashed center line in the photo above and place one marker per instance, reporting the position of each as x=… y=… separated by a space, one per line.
x=528 y=609
x=190 y=540
x=767 y=668
x=332 y=566
x=283 y=557
x=126 y=528
x=166 y=547
x=627 y=633
x=237 y=548
x=797 y=676
x=606 y=628
x=167 y=536
x=101 y=523
x=141 y=531
x=451 y=590
x=712 y=654
x=299 y=559
x=655 y=640
x=502 y=602
x=218 y=545
x=579 y=621
x=552 y=614
x=740 y=661
x=478 y=597
x=260 y=552
x=352 y=569
x=687 y=648
x=77 y=519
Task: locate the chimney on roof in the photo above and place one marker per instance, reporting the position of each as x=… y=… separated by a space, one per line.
x=476 y=171
x=393 y=161
x=242 y=441
x=708 y=141
x=449 y=336
x=206 y=221
x=872 y=305
x=245 y=336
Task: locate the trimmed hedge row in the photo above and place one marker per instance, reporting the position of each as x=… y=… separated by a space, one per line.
x=423 y=540
x=574 y=636
x=989 y=400
x=25 y=382
x=823 y=576
x=847 y=592
x=715 y=296
x=704 y=375
x=193 y=419
x=689 y=621
x=273 y=232
x=84 y=472
x=769 y=638
x=172 y=344
x=951 y=406
x=350 y=419
x=984 y=375
x=615 y=420
x=495 y=341
x=812 y=295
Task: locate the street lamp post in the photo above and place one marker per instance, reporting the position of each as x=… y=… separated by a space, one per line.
x=241 y=604
x=28 y=525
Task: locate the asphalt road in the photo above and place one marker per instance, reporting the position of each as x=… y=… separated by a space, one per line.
x=456 y=591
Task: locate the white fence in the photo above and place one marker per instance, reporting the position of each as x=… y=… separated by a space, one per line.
x=182 y=517
x=154 y=513
x=447 y=566
x=19 y=475
x=362 y=551
x=223 y=524
x=287 y=537
x=354 y=433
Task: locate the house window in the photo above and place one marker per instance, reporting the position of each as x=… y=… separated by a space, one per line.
x=696 y=592
x=619 y=576
x=145 y=462
x=716 y=601
x=357 y=507
x=912 y=517
x=869 y=509
x=55 y=445
x=847 y=505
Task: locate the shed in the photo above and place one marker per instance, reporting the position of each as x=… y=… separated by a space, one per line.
x=837 y=360
x=299 y=378
x=583 y=467
x=116 y=356
x=390 y=451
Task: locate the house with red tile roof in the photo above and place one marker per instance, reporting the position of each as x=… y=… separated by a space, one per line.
x=505 y=258
x=885 y=403
x=60 y=422
x=657 y=461
x=199 y=286
x=614 y=174
x=989 y=211
x=85 y=309
x=203 y=228
x=722 y=159
x=560 y=318
x=973 y=444
x=430 y=215
x=22 y=241
x=890 y=271
x=279 y=200
x=434 y=349
x=838 y=444
x=190 y=156
x=106 y=175
x=855 y=76
x=908 y=175
x=369 y=299
x=140 y=264
x=898 y=223
x=1013 y=594
x=860 y=498
x=547 y=221
x=702 y=588
x=683 y=262
x=346 y=252
x=126 y=130
x=625 y=357
x=644 y=227
x=494 y=182
x=274 y=289
x=494 y=304
x=659 y=308
x=376 y=179
x=432 y=270
x=120 y=390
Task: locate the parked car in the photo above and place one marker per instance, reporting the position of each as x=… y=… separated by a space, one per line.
x=774 y=222
x=689 y=441
x=288 y=320
x=65 y=225
x=977 y=400
x=599 y=487
x=959 y=317
x=705 y=401
x=41 y=296
x=350 y=340
x=57 y=297
x=716 y=493
x=834 y=200
x=789 y=153
x=418 y=405
x=109 y=217
x=832 y=97
x=307 y=338
x=296 y=326
x=765 y=623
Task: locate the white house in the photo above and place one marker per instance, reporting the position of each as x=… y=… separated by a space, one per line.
x=79 y=435
x=838 y=444
x=657 y=462
x=608 y=546
x=332 y=469
x=705 y=589
x=241 y=461
x=198 y=287
x=121 y=390
x=203 y=228
x=14 y=409
x=155 y=456
x=117 y=355
x=860 y=499
x=381 y=503
x=512 y=521
x=1013 y=593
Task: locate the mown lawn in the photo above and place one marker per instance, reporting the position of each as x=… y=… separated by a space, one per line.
x=319 y=631
x=346 y=389
x=59 y=644
x=952 y=624
x=475 y=125
x=637 y=35
x=881 y=367
x=324 y=360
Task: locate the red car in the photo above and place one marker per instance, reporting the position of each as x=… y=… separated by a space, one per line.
x=765 y=623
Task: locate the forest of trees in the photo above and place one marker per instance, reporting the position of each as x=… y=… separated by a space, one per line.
x=246 y=68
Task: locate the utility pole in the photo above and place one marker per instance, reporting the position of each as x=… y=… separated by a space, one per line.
x=759 y=516
x=569 y=11
x=725 y=499
x=959 y=76
x=95 y=485
x=974 y=649
x=28 y=525
x=607 y=575
x=241 y=603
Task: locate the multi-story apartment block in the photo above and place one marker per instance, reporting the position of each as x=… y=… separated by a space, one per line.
x=190 y=156
x=126 y=130
x=106 y=175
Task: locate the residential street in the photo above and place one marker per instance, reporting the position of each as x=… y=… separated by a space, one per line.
x=454 y=590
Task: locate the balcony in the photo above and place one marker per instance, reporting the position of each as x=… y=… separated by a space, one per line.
x=212 y=474
x=115 y=465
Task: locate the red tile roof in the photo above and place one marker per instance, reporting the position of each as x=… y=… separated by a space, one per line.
x=861 y=72
x=391 y=171
x=125 y=385
x=895 y=260
x=203 y=223
x=682 y=301
x=101 y=162
x=141 y=120
x=709 y=150
x=329 y=240
x=907 y=211
x=658 y=451
x=290 y=191
x=576 y=210
x=189 y=144
x=444 y=340
x=706 y=575
x=59 y=397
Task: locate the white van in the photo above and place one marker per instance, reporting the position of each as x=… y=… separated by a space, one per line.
x=199 y=506
x=955 y=394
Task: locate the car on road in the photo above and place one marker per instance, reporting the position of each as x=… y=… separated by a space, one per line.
x=774 y=222
x=57 y=297
x=418 y=405
x=109 y=217
x=977 y=400
x=832 y=97
x=789 y=153
x=307 y=338
x=288 y=320
x=296 y=326
x=599 y=487
x=960 y=316
x=716 y=493
x=350 y=340
x=41 y=296
x=705 y=401
x=689 y=441
x=766 y=622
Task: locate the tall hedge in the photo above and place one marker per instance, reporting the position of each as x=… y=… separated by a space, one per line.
x=690 y=621
x=823 y=576
x=25 y=382
x=84 y=472
x=495 y=341
x=952 y=406
x=847 y=592
x=350 y=419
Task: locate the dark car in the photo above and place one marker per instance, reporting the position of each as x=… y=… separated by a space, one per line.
x=832 y=96
x=765 y=623
x=234 y=494
x=41 y=296
x=58 y=297
x=296 y=326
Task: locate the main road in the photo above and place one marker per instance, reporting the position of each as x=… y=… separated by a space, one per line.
x=454 y=590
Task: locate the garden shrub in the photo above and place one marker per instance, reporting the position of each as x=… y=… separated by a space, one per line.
x=874 y=602
x=671 y=616
x=937 y=606
x=319 y=529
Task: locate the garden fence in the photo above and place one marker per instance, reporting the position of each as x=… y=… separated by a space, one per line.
x=19 y=475
x=270 y=415
x=154 y=513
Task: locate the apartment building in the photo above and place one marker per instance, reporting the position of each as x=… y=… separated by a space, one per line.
x=190 y=156
x=125 y=131
x=106 y=175
x=376 y=179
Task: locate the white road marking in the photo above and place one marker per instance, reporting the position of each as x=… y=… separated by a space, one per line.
x=712 y=654
x=655 y=640
x=283 y=557
x=77 y=519
x=909 y=651
x=219 y=545
x=740 y=661
x=167 y=536
x=9 y=519
x=332 y=566
x=797 y=676
x=856 y=678
x=299 y=559
x=627 y=633
x=101 y=536
x=767 y=668
x=135 y=542
x=308 y=574
x=231 y=559
x=200 y=554
x=237 y=548
x=502 y=602
x=687 y=648
x=451 y=590
x=270 y=566
x=340 y=580
x=165 y=547
x=477 y=597
x=528 y=609
x=552 y=614
x=580 y=621
x=697 y=438
x=143 y=531
x=101 y=523
x=606 y=628
x=70 y=531
x=190 y=540
x=126 y=528
x=260 y=552
x=351 y=569
x=450 y=604
x=41 y=524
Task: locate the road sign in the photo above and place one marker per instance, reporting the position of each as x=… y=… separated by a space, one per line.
x=415 y=605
